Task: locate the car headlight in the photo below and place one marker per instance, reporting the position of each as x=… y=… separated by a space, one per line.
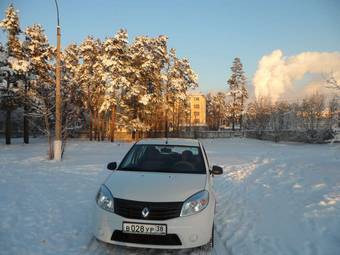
x=104 y=199
x=195 y=203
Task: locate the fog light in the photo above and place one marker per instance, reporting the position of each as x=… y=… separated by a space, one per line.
x=193 y=238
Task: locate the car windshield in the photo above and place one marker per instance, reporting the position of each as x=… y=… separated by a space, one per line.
x=164 y=158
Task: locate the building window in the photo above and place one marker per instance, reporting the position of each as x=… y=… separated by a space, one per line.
x=196 y=114
x=197 y=98
x=197 y=106
x=196 y=121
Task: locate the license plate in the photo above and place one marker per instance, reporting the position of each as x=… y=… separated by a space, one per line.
x=145 y=229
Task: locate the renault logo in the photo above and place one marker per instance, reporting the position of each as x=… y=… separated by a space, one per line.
x=145 y=212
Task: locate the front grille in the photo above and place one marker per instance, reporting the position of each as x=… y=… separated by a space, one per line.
x=169 y=239
x=157 y=210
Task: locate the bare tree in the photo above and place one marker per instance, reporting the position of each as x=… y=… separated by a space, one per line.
x=333 y=83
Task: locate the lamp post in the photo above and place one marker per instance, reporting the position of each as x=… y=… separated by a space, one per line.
x=58 y=119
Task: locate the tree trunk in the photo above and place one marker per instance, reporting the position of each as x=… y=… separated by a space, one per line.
x=50 y=146
x=102 y=127
x=234 y=115
x=233 y=124
x=135 y=115
x=26 y=124
x=98 y=126
x=166 y=124
x=173 y=116
x=89 y=105
x=49 y=137
x=241 y=120
x=8 y=127
x=64 y=137
x=91 y=125
x=26 y=127
x=178 y=118
x=241 y=114
x=113 y=124
x=95 y=126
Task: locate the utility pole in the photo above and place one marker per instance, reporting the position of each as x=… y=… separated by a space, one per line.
x=58 y=119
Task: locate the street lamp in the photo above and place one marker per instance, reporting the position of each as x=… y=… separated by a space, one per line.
x=58 y=120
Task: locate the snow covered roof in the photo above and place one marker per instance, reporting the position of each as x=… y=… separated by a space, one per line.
x=195 y=93
x=170 y=141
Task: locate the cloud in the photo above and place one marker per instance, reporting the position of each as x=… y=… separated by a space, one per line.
x=277 y=74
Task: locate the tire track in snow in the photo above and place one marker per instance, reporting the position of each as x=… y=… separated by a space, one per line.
x=232 y=198
x=219 y=247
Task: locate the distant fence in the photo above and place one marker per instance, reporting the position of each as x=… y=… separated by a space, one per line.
x=315 y=136
x=129 y=136
x=305 y=136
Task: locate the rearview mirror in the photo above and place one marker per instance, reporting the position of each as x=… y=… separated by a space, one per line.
x=112 y=166
x=216 y=170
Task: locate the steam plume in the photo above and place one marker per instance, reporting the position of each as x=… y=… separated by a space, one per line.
x=276 y=73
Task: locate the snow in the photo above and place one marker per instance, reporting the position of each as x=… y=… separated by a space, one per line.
x=19 y=65
x=145 y=99
x=272 y=199
x=278 y=198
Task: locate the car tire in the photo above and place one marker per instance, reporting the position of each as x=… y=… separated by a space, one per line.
x=212 y=236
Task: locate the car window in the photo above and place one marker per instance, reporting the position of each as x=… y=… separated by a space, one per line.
x=164 y=158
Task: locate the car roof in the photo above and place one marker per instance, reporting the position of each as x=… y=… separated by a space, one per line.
x=170 y=141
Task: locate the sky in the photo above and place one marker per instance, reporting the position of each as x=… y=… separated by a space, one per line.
x=209 y=33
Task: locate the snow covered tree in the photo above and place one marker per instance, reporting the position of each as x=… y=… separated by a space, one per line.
x=130 y=86
x=238 y=92
x=72 y=92
x=90 y=79
x=179 y=78
x=278 y=120
x=217 y=109
x=115 y=62
x=9 y=90
x=137 y=87
x=147 y=58
x=258 y=115
x=311 y=111
x=10 y=24
x=333 y=108
x=41 y=85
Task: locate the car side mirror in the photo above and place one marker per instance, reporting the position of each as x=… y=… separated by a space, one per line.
x=112 y=166
x=216 y=170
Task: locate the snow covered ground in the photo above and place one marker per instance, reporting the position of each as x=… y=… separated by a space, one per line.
x=273 y=198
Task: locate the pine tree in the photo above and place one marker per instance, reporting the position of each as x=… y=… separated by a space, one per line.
x=90 y=79
x=10 y=92
x=179 y=78
x=147 y=58
x=41 y=87
x=115 y=70
x=217 y=109
x=238 y=92
x=72 y=93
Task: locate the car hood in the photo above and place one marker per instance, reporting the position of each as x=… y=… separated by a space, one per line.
x=154 y=186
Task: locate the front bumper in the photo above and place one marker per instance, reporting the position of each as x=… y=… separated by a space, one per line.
x=192 y=231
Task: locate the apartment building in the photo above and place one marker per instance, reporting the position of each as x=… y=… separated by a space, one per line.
x=197 y=109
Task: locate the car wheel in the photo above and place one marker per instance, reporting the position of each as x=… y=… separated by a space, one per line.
x=212 y=236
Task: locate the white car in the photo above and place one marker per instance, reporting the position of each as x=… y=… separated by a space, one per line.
x=160 y=196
